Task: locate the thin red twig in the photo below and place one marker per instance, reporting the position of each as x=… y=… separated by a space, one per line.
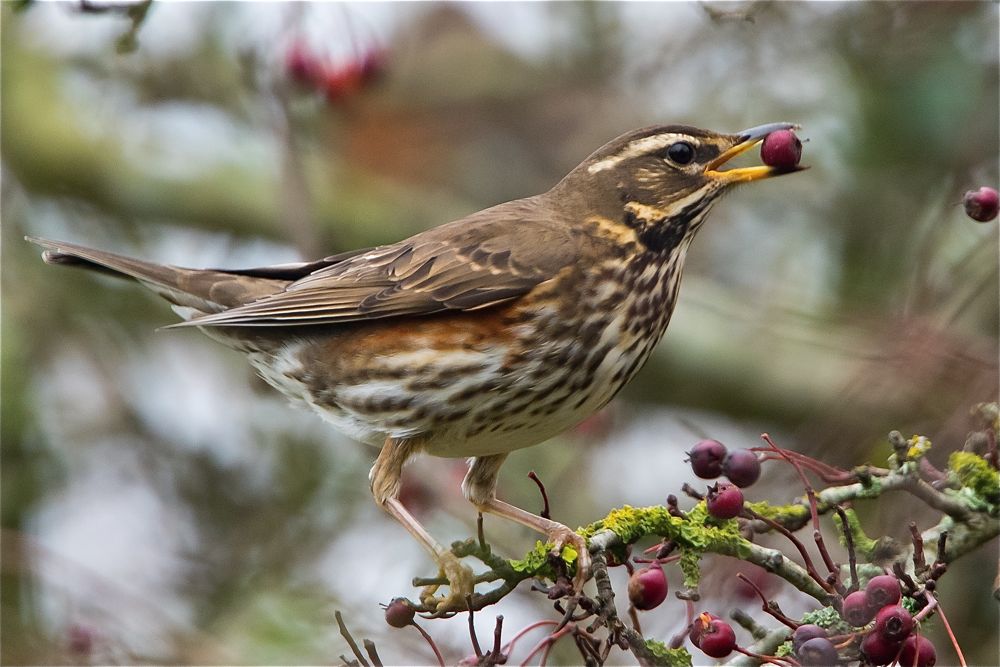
x=525 y=630
x=766 y=604
x=430 y=640
x=951 y=635
x=545 y=496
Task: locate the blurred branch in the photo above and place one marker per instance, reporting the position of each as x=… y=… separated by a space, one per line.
x=134 y=11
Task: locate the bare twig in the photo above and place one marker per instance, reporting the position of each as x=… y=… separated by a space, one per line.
x=472 y=628
x=936 y=499
x=919 y=562
x=852 y=556
x=545 y=496
x=372 y=652
x=768 y=606
x=346 y=634
x=496 y=655
x=942 y=547
x=692 y=492
x=801 y=548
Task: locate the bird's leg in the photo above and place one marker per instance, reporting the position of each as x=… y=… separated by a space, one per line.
x=479 y=488
x=385 y=478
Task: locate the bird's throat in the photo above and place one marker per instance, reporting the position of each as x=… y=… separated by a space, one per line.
x=664 y=232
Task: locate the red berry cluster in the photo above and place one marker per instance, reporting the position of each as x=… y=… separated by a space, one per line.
x=709 y=460
x=891 y=639
x=336 y=82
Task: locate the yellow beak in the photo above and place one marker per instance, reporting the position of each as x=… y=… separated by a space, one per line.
x=746 y=140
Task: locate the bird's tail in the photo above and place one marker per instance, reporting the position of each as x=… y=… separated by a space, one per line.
x=192 y=291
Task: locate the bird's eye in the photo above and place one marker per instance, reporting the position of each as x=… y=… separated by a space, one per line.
x=681 y=153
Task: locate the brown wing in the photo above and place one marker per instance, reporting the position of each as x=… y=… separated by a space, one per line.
x=482 y=260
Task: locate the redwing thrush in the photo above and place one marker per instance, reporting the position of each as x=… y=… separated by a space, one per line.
x=484 y=335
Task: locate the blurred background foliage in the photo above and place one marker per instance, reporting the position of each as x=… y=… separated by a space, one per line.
x=160 y=504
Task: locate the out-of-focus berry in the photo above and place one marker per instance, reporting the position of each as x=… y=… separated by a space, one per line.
x=372 y=66
x=706 y=458
x=918 y=651
x=399 y=613
x=340 y=83
x=741 y=467
x=894 y=623
x=878 y=649
x=982 y=205
x=718 y=639
x=781 y=149
x=804 y=633
x=882 y=590
x=301 y=64
x=856 y=609
x=80 y=640
x=817 y=652
x=647 y=588
x=724 y=501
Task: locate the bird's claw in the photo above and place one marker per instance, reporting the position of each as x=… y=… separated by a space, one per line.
x=561 y=537
x=461 y=586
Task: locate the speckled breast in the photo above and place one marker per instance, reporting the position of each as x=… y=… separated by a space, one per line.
x=485 y=382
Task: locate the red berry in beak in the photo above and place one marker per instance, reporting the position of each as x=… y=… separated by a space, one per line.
x=982 y=204
x=781 y=149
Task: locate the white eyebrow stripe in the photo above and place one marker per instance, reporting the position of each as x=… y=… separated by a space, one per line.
x=639 y=147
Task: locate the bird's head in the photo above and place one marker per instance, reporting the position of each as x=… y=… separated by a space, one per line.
x=664 y=179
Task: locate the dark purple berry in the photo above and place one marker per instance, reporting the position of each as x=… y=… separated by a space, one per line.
x=647 y=588
x=856 y=609
x=878 y=649
x=883 y=590
x=724 y=501
x=918 y=651
x=741 y=467
x=399 y=613
x=804 y=633
x=706 y=458
x=982 y=205
x=817 y=652
x=718 y=639
x=781 y=149
x=894 y=623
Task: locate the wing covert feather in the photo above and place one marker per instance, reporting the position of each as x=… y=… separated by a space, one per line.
x=485 y=259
